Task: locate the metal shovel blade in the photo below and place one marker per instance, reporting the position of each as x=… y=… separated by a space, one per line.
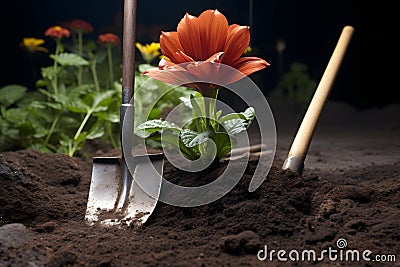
x=125 y=192
x=110 y=202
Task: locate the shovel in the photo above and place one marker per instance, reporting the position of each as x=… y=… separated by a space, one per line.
x=116 y=194
x=301 y=143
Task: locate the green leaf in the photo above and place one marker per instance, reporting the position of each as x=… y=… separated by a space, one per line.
x=81 y=137
x=100 y=108
x=172 y=139
x=147 y=128
x=40 y=114
x=237 y=125
x=48 y=73
x=74 y=92
x=102 y=100
x=223 y=143
x=186 y=101
x=56 y=106
x=46 y=93
x=15 y=115
x=40 y=132
x=113 y=117
x=96 y=131
x=31 y=97
x=191 y=138
x=155 y=113
x=198 y=107
x=249 y=114
x=10 y=94
x=11 y=133
x=57 y=98
x=38 y=105
x=67 y=125
x=69 y=59
x=218 y=114
x=100 y=56
x=143 y=67
x=40 y=147
x=232 y=116
x=78 y=106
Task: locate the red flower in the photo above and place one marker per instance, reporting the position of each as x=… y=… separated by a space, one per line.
x=108 y=39
x=57 y=32
x=200 y=46
x=80 y=25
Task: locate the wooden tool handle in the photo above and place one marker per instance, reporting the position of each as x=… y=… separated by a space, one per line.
x=301 y=143
x=247 y=149
x=128 y=50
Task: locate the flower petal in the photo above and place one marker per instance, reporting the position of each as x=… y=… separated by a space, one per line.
x=248 y=65
x=216 y=57
x=169 y=43
x=189 y=37
x=170 y=73
x=38 y=42
x=236 y=43
x=140 y=47
x=205 y=71
x=181 y=57
x=213 y=72
x=213 y=27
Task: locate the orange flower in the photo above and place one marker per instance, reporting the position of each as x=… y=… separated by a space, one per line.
x=57 y=32
x=200 y=46
x=108 y=39
x=80 y=25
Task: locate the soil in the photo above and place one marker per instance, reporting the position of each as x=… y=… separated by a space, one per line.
x=350 y=189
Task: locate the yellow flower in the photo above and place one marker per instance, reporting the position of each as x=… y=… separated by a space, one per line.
x=164 y=57
x=149 y=51
x=33 y=45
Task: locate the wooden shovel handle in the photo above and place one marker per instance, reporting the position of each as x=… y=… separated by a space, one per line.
x=301 y=143
x=128 y=50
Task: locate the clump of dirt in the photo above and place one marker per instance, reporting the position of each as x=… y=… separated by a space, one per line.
x=48 y=193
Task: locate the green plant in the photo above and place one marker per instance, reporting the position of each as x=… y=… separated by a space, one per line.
x=206 y=127
x=16 y=117
x=295 y=86
x=201 y=55
x=77 y=97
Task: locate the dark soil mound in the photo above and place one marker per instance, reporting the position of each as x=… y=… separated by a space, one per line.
x=47 y=193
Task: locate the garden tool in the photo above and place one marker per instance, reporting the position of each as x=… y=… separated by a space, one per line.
x=117 y=194
x=253 y=151
x=298 y=151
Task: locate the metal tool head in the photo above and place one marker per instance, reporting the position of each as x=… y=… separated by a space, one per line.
x=125 y=201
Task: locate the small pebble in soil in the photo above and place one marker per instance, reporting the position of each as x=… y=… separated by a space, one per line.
x=14 y=235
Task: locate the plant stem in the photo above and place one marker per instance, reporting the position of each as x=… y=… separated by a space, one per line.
x=94 y=74
x=71 y=149
x=110 y=65
x=80 y=50
x=211 y=109
x=110 y=133
x=53 y=125
x=78 y=132
x=51 y=147
x=54 y=81
x=74 y=146
x=209 y=122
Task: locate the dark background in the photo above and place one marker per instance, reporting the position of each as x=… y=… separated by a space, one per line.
x=310 y=30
